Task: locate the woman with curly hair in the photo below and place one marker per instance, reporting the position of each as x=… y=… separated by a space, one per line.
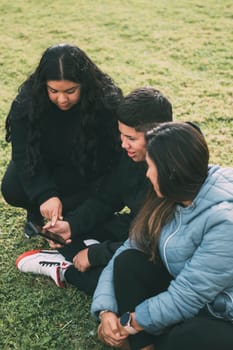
x=64 y=135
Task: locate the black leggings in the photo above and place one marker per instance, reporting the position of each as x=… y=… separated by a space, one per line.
x=136 y=279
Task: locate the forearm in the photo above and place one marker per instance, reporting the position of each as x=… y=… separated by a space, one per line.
x=88 y=216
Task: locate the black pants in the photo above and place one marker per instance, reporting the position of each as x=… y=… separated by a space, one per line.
x=14 y=194
x=115 y=229
x=83 y=281
x=136 y=279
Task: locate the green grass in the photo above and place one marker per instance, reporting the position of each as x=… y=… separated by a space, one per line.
x=183 y=47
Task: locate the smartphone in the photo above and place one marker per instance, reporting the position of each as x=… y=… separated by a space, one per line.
x=46 y=234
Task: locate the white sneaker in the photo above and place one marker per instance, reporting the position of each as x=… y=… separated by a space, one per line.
x=44 y=262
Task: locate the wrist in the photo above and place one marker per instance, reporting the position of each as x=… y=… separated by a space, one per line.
x=128 y=322
x=101 y=313
x=135 y=324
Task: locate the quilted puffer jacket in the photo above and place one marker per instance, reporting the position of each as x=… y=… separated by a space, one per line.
x=196 y=246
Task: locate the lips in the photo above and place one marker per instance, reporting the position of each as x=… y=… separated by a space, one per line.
x=64 y=106
x=131 y=154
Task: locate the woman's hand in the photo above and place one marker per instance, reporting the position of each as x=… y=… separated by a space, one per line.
x=109 y=331
x=61 y=228
x=81 y=261
x=52 y=210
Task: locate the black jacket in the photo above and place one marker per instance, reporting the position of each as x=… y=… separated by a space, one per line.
x=125 y=188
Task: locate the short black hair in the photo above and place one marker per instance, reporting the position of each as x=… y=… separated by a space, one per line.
x=144 y=105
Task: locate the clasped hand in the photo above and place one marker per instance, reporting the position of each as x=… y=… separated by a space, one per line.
x=110 y=331
x=81 y=261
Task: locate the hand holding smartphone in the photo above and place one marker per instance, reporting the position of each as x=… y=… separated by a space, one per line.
x=46 y=234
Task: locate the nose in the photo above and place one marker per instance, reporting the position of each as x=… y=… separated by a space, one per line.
x=124 y=142
x=62 y=98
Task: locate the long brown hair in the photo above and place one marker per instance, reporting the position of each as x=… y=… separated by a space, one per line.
x=180 y=154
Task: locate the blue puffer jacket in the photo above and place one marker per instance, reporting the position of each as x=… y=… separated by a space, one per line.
x=197 y=248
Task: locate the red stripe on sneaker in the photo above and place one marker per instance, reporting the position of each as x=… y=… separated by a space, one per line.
x=59 y=283
x=28 y=253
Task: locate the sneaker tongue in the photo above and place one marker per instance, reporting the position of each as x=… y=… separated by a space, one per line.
x=64 y=264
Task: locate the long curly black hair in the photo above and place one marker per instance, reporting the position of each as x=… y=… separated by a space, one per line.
x=99 y=100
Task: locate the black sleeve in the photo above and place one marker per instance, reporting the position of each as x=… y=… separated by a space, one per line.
x=39 y=187
x=108 y=200
x=91 y=213
x=100 y=254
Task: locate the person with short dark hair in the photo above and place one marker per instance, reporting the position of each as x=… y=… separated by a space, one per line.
x=187 y=222
x=99 y=217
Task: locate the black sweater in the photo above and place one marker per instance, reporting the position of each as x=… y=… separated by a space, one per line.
x=56 y=175
x=126 y=186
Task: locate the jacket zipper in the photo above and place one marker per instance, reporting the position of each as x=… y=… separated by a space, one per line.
x=166 y=242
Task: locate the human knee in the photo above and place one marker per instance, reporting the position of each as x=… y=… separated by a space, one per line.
x=128 y=261
x=9 y=195
x=6 y=192
x=11 y=189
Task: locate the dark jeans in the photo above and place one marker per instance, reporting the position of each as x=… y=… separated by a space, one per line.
x=136 y=279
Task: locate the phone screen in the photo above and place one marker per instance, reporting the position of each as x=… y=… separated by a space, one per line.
x=53 y=236
x=47 y=234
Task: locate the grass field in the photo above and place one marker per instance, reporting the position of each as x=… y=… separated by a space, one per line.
x=183 y=47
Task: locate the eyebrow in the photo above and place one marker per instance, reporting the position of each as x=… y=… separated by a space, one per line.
x=73 y=87
x=129 y=136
